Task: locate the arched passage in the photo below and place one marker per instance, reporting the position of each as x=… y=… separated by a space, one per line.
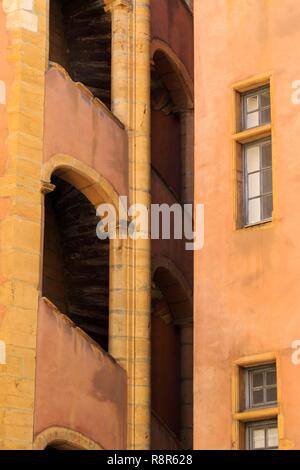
x=172 y=121
x=76 y=264
x=76 y=261
x=171 y=358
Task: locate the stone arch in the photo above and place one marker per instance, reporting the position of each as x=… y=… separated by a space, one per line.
x=84 y=178
x=96 y=190
x=173 y=94
x=174 y=74
x=64 y=439
x=174 y=287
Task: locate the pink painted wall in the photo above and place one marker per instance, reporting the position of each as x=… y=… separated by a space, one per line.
x=171 y=20
x=247 y=298
x=77 y=126
x=78 y=386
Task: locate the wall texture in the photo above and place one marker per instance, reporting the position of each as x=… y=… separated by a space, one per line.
x=78 y=385
x=246 y=281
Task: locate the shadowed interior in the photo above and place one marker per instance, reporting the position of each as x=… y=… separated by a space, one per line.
x=76 y=262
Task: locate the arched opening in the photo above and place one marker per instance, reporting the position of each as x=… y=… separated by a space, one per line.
x=165 y=130
x=60 y=438
x=76 y=261
x=171 y=123
x=57 y=446
x=171 y=363
x=80 y=41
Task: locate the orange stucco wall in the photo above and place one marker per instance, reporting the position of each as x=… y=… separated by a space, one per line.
x=78 y=386
x=246 y=281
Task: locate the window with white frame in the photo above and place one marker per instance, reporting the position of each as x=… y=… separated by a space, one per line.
x=262 y=435
x=258 y=187
x=256 y=108
x=255 y=182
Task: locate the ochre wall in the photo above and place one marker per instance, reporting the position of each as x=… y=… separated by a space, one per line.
x=78 y=386
x=246 y=281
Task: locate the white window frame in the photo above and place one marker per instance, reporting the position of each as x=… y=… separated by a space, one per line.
x=266 y=424
x=246 y=174
x=257 y=92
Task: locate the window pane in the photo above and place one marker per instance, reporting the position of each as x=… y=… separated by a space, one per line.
x=265 y=99
x=266 y=155
x=266 y=116
x=252 y=120
x=253 y=160
x=272 y=437
x=267 y=207
x=258 y=439
x=257 y=397
x=271 y=378
x=252 y=103
x=266 y=181
x=254 y=212
x=254 y=185
x=271 y=395
x=257 y=380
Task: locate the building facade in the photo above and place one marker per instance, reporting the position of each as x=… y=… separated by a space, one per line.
x=96 y=336
x=247 y=326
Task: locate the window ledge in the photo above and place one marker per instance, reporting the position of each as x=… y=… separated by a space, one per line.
x=249 y=135
x=257 y=224
x=257 y=414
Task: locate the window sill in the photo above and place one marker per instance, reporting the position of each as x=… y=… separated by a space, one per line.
x=257 y=224
x=256 y=415
x=254 y=133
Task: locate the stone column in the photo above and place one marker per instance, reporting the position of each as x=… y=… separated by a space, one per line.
x=23 y=63
x=132 y=303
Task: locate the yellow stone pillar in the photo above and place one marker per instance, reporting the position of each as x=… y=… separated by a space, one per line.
x=20 y=227
x=131 y=104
